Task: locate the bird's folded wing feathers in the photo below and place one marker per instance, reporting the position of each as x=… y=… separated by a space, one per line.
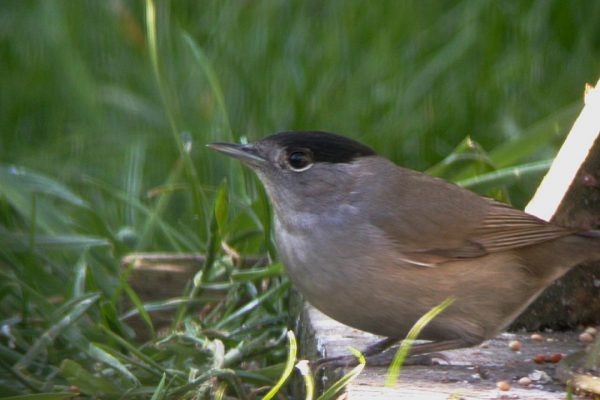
x=506 y=228
x=502 y=228
x=430 y=221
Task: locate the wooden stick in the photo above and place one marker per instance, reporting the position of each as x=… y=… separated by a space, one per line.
x=571 y=156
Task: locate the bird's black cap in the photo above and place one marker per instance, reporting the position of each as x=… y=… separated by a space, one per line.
x=324 y=146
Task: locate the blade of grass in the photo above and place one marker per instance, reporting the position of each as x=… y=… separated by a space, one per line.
x=221 y=209
x=134 y=180
x=154 y=216
x=198 y=197
x=462 y=161
x=309 y=382
x=102 y=354
x=211 y=76
x=289 y=366
x=149 y=363
x=78 y=309
x=402 y=353
x=20 y=242
x=23 y=180
x=171 y=304
x=254 y=345
x=346 y=379
x=263 y=207
x=173 y=236
x=260 y=376
x=219 y=215
x=86 y=382
x=69 y=242
x=505 y=175
x=139 y=306
x=541 y=132
x=236 y=173
x=220 y=391
x=160 y=391
x=80 y=274
x=257 y=273
x=274 y=291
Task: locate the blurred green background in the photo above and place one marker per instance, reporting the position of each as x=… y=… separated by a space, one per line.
x=102 y=133
x=410 y=78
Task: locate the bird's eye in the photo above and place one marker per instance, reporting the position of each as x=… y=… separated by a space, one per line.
x=299 y=160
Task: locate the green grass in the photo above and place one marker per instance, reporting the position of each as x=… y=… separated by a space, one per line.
x=106 y=106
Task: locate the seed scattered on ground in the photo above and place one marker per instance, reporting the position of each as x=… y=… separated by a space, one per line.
x=525 y=381
x=515 y=345
x=537 y=337
x=591 y=330
x=503 y=385
x=539 y=359
x=586 y=337
x=554 y=358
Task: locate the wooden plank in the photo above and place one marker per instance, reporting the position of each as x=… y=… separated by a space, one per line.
x=471 y=374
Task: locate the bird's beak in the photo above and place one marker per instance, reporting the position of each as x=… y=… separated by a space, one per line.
x=246 y=153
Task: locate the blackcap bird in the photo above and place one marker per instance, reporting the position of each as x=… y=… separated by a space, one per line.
x=375 y=246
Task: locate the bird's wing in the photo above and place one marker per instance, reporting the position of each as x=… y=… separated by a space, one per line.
x=505 y=228
x=439 y=222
